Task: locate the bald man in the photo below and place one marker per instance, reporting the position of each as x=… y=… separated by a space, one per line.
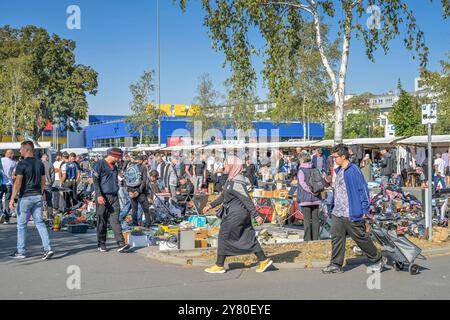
x=8 y=165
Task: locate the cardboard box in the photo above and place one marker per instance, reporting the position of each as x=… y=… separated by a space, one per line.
x=201 y=234
x=283 y=194
x=440 y=234
x=126 y=234
x=268 y=194
x=201 y=243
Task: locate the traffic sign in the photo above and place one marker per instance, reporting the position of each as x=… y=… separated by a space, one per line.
x=429 y=113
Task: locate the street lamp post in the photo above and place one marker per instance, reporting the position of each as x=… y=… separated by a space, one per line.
x=159 y=69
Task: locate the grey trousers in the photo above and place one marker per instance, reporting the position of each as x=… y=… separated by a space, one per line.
x=340 y=227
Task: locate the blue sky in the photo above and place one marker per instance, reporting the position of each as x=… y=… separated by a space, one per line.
x=118 y=39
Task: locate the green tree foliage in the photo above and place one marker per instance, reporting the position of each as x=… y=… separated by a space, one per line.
x=207 y=109
x=145 y=115
x=363 y=124
x=439 y=86
x=18 y=106
x=230 y=22
x=41 y=82
x=303 y=90
x=406 y=116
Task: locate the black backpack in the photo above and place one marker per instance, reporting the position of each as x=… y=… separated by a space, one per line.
x=315 y=181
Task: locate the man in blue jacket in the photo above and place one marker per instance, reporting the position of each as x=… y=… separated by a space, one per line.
x=350 y=205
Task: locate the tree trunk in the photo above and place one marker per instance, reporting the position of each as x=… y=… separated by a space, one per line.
x=339 y=117
x=338 y=85
x=340 y=94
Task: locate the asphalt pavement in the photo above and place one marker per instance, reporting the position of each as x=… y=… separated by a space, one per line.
x=78 y=271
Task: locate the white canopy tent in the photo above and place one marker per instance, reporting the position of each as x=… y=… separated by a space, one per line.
x=148 y=148
x=222 y=147
x=324 y=144
x=262 y=145
x=183 y=148
x=77 y=151
x=16 y=145
x=436 y=141
x=368 y=142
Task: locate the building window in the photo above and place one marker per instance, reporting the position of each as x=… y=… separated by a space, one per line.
x=110 y=143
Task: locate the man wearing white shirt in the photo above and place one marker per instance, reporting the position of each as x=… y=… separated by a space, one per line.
x=8 y=166
x=439 y=171
x=56 y=195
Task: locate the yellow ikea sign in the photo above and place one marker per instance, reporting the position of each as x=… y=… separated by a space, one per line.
x=178 y=110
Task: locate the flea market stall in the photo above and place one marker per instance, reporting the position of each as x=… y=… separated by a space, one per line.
x=275 y=199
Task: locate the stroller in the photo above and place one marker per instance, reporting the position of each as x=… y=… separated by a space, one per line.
x=398 y=248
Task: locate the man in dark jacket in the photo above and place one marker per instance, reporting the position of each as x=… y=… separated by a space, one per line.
x=319 y=161
x=49 y=181
x=250 y=171
x=387 y=165
x=350 y=205
x=138 y=193
x=106 y=187
x=186 y=187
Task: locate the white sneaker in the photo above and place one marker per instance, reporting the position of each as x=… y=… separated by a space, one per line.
x=379 y=266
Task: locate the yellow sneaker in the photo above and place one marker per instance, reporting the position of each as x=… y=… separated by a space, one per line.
x=264 y=265
x=215 y=269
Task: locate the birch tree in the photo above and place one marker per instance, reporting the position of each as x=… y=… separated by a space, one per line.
x=375 y=22
x=145 y=115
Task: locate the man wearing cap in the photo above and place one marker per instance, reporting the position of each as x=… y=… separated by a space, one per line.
x=106 y=187
x=138 y=193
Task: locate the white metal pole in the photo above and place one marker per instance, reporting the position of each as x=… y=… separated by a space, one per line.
x=430 y=185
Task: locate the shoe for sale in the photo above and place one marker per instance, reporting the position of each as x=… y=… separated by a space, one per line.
x=124 y=248
x=264 y=265
x=102 y=248
x=332 y=268
x=17 y=255
x=379 y=266
x=2 y=218
x=48 y=255
x=215 y=269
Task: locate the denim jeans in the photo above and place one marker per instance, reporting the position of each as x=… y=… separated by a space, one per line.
x=125 y=203
x=7 y=191
x=125 y=207
x=438 y=179
x=199 y=182
x=31 y=204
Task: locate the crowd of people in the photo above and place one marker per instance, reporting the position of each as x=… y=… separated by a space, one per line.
x=135 y=184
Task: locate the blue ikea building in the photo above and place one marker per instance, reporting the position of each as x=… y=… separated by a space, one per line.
x=108 y=131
